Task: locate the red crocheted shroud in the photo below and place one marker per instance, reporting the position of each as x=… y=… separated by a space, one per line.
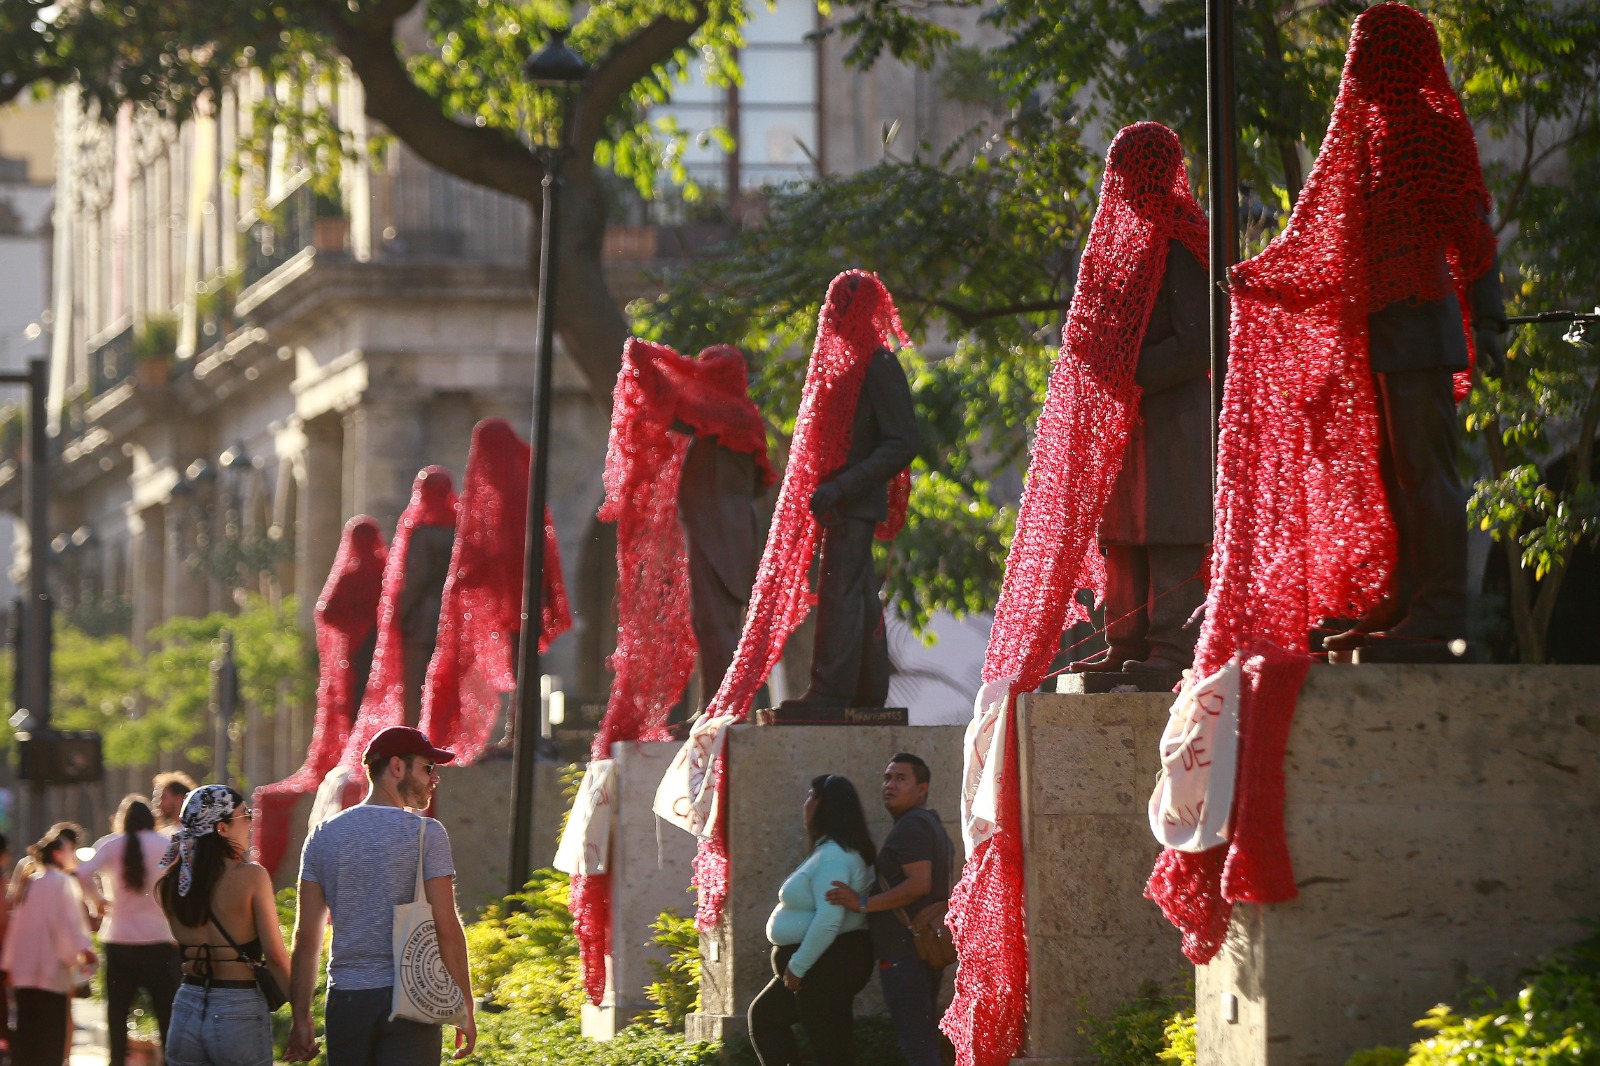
x=1092 y=404
x=433 y=503
x=346 y=615
x=482 y=610
x=655 y=639
x=858 y=317
x=1302 y=524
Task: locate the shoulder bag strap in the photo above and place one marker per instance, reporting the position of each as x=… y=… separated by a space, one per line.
x=237 y=950
x=419 y=893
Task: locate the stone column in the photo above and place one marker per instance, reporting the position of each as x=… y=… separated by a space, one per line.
x=185 y=591
x=383 y=452
x=147 y=559
x=321 y=510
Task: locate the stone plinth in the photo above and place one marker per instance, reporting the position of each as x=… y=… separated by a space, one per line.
x=1444 y=823
x=769 y=771
x=649 y=874
x=1088 y=763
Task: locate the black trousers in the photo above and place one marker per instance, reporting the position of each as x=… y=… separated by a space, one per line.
x=40 y=1038
x=824 y=1005
x=1417 y=427
x=850 y=658
x=157 y=969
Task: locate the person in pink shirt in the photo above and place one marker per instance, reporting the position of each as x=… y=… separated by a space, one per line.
x=48 y=949
x=120 y=882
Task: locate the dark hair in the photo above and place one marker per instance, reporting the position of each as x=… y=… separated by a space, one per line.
x=839 y=817
x=211 y=855
x=5 y=843
x=919 y=769
x=44 y=851
x=135 y=817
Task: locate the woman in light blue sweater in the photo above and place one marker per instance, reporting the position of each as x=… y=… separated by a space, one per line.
x=821 y=953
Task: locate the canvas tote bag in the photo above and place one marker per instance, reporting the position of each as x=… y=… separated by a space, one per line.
x=424 y=991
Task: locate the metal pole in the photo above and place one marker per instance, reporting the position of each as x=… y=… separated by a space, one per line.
x=226 y=688
x=527 y=737
x=1222 y=180
x=37 y=638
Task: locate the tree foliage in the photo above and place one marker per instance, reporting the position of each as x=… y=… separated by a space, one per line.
x=150 y=706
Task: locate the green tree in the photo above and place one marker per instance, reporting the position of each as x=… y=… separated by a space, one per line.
x=978 y=246
x=451 y=88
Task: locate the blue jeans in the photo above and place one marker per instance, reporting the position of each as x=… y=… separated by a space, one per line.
x=359 y=1032
x=219 y=1027
x=911 y=992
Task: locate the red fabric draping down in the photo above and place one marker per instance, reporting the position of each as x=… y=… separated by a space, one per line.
x=857 y=318
x=346 y=614
x=1302 y=524
x=481 y=615
x=655 y=640
x=1092 y=404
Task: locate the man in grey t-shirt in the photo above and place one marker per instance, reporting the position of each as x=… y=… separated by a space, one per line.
x=356 y=868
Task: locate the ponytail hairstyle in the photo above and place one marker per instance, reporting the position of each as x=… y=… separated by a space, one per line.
x=133 y=818
x=839 y=817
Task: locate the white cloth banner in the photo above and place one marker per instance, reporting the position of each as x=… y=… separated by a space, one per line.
x=687 y=797
x=1192 y=803
x=586 y=842
x=330 y=798
x=982 y=761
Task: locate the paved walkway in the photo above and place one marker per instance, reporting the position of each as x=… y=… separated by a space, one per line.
x=89 y=1040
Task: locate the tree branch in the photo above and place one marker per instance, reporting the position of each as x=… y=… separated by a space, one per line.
x=629 y=61
x=482 y=155
x=971 y=316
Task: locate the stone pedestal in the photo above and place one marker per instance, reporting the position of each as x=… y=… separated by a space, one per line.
x=1443 y=822
x=1088 y=763
x=649 y=874
x=769 y=771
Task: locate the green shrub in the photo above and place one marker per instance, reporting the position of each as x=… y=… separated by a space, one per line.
x=524 y=955
x=676 y=989
x=511 y=1038
x=1179 y=1034
x=1379 y=1056
x=1554 y=1020
x=1136 y=1032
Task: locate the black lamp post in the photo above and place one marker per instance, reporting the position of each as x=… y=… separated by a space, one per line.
x=1222 y=182
x=559 y=71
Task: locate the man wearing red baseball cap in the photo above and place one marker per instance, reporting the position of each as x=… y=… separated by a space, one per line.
x=357 y=867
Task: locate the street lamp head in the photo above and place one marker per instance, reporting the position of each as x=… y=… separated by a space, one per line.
x=556 y=67
x=559 y=71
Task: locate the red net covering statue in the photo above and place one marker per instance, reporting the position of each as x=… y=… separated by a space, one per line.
x=832 y=430
x=854 y=499
x=1337 y=494
x=429 y=518
x=686 y=463
x=347 y=630
x=481 y=619
x=1134 y=344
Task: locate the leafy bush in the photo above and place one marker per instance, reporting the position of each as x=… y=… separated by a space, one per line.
x=524 y=955
x=1137 y=1032
x=1180 y=1038
x=512 y=1038
x=1379 y=1056
x=1553 y=1020
x=676 y=989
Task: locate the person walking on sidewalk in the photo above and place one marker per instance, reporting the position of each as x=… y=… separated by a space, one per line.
x=356 y=867
x=140 y=951
x=48 y=949
x=221 y=910
x=913 y=870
